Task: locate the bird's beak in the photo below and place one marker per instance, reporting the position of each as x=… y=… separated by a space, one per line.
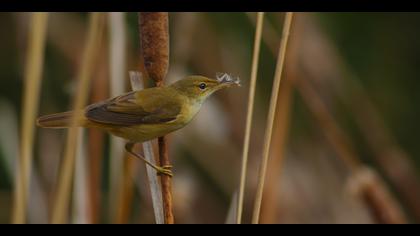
x=225 y=80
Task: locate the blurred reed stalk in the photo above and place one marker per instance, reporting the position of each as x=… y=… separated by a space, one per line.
x=334 y=134
x=377 y=196
x=154 y=40
x=96 y=138
x=117 y=58
x=371 y=188
x=374 y=192
x=367 y=184
x=231 y=215
x=155 y=190
x=395 y=161
x=270 y=118
x=124 y=200
x=62 y=201
x=250 y=109
x=33 y=73
x=270 y=205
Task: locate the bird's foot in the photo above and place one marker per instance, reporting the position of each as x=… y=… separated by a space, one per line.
x=165 y=170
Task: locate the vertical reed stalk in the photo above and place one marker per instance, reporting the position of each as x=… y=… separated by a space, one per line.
x=270 y=118
x=270 y=206
x=272 y=200
x=155 y=190
x=117 y=48
x=250 y=109
x=368 y=184
x=33 y=72
x=154 y=38
x=61 y=204
x=373 y=190
x=96 y=138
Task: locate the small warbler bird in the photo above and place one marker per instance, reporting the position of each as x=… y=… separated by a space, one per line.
x=146 y=114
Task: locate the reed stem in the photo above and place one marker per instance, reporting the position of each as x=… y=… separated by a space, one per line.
x=250 y=109
x=117 y=49
x=61 y=205
x=155 y=190
x=270 y=118
x=154 y=38
x=33 y=73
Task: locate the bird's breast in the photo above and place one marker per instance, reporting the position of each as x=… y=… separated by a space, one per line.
x=188 y=112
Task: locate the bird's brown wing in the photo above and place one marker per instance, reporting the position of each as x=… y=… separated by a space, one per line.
x=128 y=109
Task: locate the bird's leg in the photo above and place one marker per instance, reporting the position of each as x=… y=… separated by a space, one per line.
x=166 y=170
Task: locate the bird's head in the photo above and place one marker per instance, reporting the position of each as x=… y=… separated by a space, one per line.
x=199 y=87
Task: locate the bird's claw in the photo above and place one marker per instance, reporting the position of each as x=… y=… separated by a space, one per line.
x=165 y=170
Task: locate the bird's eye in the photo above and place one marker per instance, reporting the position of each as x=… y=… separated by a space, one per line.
x=202 y=86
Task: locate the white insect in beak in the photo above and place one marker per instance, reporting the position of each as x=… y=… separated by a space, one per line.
x=228 y=79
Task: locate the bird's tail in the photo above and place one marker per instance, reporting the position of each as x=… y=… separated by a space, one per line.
x=58 y=120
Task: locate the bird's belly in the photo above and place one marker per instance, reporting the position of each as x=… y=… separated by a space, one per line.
x=144 y=132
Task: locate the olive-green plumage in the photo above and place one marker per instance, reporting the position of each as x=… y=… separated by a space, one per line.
x=143 y=115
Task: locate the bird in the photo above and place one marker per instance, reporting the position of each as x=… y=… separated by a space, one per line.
x=143 y=115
